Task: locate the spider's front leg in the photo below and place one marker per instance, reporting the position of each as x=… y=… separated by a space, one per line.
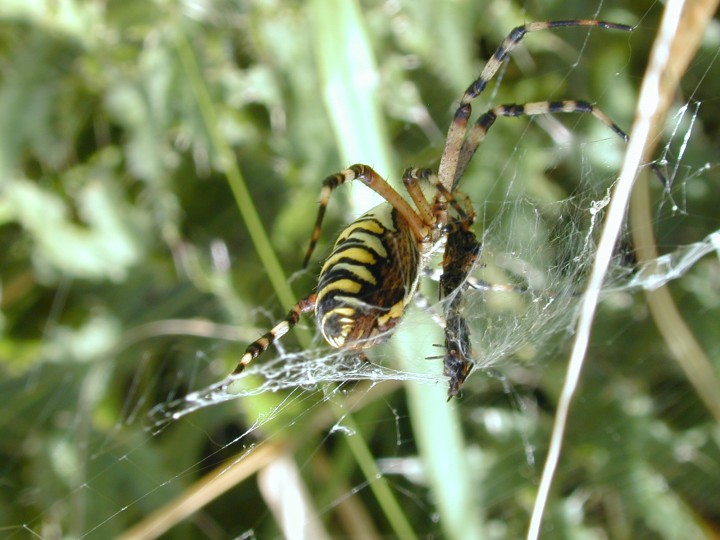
x=462 y=250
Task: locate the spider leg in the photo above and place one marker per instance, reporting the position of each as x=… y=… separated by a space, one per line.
x=476 y=134
x=259 y=346
x=378 y=184
x=456 y=132
x=410 y=178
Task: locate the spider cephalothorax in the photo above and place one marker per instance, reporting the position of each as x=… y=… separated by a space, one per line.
x=371 y=275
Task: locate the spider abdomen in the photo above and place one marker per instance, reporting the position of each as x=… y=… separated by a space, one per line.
x=368 y=279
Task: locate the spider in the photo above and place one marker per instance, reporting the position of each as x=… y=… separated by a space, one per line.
x=372 y=273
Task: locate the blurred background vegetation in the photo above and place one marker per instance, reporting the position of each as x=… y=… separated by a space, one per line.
x=160 y=166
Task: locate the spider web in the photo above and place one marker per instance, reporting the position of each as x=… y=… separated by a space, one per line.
x=536 y=303
x=521 y=298
x=129 y=440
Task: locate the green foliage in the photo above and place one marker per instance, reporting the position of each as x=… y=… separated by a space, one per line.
x=160 y=164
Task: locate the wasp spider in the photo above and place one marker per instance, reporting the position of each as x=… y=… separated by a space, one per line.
x=372 y=273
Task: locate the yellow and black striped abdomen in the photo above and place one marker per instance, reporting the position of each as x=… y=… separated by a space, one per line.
x=368 y=280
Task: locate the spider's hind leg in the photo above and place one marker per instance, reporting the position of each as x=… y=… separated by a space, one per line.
x=256 y=348
x=380 y=186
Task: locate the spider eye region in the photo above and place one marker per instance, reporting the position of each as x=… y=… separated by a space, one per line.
x=368 y=280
